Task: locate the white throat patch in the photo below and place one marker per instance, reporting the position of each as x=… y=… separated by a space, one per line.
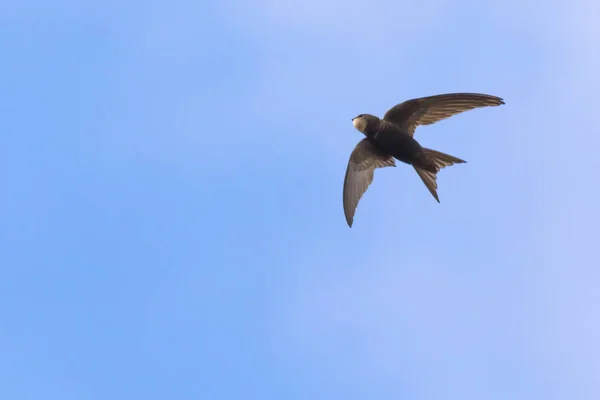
x=360 y=124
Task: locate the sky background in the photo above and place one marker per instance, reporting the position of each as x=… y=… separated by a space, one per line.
x=171 y=222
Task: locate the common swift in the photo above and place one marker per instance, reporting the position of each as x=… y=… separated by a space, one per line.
x=391 y=138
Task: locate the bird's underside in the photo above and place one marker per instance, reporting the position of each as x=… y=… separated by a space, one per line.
x=407 y=116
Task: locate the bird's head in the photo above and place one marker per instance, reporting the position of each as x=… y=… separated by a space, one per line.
x=365 y=123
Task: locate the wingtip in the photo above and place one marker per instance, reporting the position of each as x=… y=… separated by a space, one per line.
x=494 y=100
x=500 y=100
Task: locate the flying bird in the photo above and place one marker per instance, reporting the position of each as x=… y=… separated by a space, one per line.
x=391 y=138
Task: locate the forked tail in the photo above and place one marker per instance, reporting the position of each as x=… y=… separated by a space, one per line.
x=433 y=161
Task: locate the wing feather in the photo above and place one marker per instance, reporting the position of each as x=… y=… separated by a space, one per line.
x=365 y=158
x=428 y=110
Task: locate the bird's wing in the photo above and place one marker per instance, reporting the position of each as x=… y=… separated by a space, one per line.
x=428 y=110
x=359 y=174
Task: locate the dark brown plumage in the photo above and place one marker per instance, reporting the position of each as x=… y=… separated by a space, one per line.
x=391 y=138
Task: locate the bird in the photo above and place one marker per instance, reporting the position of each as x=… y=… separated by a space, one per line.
x=392 y=138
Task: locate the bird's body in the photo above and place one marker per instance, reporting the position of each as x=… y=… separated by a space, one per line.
x=394 y=141
x=391 y=138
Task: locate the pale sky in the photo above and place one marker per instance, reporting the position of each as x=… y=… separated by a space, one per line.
x=172 y=222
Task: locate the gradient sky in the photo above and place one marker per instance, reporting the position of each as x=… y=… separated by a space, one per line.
x=171 y=218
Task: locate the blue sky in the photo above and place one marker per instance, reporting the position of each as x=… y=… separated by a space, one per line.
x=172 y=224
